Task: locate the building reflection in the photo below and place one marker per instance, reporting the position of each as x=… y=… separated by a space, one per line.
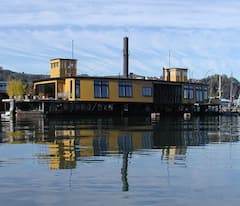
x=70 y=141
x=62 y=154
x=124 y=172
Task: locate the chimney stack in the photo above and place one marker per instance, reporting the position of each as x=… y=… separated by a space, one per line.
x=125 y=57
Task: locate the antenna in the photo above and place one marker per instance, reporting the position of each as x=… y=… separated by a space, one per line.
x=169 y=57
x=72 y=47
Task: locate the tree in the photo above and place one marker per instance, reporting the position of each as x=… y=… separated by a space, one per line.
x=15 y=88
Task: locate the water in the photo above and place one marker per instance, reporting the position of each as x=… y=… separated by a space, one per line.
x=128 y=161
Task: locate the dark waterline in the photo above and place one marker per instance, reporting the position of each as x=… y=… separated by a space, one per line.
x=127 y=161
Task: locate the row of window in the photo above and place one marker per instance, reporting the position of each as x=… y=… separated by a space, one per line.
x=101 y=89
x=64 y=64
x=201 y=93
x=54 y=65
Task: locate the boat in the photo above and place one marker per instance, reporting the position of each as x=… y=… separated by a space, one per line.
x=228 y=108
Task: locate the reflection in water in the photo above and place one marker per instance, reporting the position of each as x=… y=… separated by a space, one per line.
x=72 y=140
x=90 y=160
x=124 y=172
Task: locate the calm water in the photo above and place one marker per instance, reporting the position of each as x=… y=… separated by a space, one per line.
x=120 y=161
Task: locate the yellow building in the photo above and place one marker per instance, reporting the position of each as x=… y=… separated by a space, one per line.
x=175 y=74
x=70 y=92
x=64 y=84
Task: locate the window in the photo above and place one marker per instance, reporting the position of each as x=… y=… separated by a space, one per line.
x=147 y=91
x=188 y=92
x=185 y=92
x=77 y=88
x=101 y=89
x=125 y=89
x=198 y=94
x=205 y=93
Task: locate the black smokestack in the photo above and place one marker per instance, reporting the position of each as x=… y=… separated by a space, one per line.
x=125 y=57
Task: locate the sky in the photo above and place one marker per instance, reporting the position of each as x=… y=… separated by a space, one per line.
x=203 y=36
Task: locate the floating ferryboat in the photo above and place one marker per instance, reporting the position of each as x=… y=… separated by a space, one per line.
x=65 y=92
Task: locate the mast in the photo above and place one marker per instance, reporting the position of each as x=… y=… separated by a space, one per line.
x=231 y=91
x=169 y=59
x=219 y=87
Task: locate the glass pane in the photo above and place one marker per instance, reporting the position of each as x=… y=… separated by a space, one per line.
x=128 y=91
x=121 y=91
x=104 y=91
x=97 y=91
x=77 y=89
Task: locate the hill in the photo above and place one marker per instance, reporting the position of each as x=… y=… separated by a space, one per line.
x=6 y=75
x=213 y=82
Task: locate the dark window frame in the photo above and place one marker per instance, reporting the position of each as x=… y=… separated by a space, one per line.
x=77 y=88
x=125 y=89
x=147 y=91
x=101 y=89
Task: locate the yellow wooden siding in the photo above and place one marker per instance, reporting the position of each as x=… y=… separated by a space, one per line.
x=63 y=68
x=55 y=72
x=67 y=87
x=87 y=91
x=176 y=75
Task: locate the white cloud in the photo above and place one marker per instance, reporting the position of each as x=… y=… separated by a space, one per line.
x=151 y=13
x=201 y=35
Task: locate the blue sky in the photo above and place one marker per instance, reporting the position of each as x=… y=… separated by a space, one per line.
x=203 y=36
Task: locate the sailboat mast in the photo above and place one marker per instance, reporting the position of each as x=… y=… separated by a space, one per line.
x=231 y=90
x=220 y=87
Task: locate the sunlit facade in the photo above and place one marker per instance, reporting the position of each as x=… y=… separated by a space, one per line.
x=175 y=74
x=121 y=92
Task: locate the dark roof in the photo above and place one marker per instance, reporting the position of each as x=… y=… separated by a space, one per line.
x=156 y=81
x=176 y=68
x=62 y=59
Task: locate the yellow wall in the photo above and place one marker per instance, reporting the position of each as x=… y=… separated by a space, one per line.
x=87 y=91
x=67 y=87
x=62 y=90
x=63 y=67
x=176 y=74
